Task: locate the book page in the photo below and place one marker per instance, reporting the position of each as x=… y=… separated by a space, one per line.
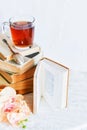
x=49 y=88
x=49 y=82
x=64 y=93
x=38 y=83
x=55 y=85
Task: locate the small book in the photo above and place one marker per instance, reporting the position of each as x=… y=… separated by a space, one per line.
x=22 y=87
x=5 y=52
x=51 y=83
x=11 y=66
x=13 y=78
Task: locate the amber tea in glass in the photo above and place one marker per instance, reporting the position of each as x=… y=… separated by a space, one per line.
x=22 y=30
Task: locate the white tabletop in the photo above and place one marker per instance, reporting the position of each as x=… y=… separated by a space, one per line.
x=74 y=117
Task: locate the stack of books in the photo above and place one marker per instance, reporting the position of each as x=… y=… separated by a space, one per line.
x=20 y=77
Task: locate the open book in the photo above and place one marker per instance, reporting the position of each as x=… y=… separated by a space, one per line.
x=50 y=83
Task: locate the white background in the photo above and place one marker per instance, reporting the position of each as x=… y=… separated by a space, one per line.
x=61 y=27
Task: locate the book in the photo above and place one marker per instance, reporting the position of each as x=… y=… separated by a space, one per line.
x=5 y=52
x=22 y=87
x=13 y=78
x=50 y=83
x=11 y=66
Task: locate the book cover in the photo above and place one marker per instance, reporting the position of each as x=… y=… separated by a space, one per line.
x=51 y=83
x=22 y=87
x=11 y=66
x=13 y=78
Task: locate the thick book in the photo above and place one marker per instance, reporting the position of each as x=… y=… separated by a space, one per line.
x=5 y=52
x=11 y=66
x=22 y=87
x=51 y=83
x=13 y=78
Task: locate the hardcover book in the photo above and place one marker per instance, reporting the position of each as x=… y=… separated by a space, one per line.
x=13 y=78
x=11 y=66
x=51 y=83
x=22 y=87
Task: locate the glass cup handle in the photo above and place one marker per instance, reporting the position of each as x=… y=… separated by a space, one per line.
x=6 y=29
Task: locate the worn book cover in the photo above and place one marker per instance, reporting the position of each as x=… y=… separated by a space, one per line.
x=11 y=66
x=22 y=87
x=13 y=78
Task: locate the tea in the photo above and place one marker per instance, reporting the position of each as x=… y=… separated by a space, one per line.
x=22 y=33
